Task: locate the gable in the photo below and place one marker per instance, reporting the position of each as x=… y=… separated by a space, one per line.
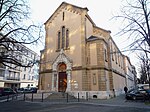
x=67 y=7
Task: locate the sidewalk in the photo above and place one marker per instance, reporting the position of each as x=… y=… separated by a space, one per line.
x=121 y=102
x=118 y=101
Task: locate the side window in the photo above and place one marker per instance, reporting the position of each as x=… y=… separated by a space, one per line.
x=94 y=79
x=143 y=92
x=105 y=55
x=24 y=76
x=6 y=89
x=112 y=52
x=119 y=59
x=116 y=56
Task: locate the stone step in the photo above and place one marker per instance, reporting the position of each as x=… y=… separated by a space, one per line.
x=59 y=95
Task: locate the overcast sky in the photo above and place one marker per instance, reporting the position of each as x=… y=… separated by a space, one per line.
x=101 y=12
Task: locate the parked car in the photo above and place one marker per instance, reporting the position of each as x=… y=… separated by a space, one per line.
x=143 y=86
x=24 y=90
x=20 y=90
x=148 y=93
x=6 y=91
x=27 y=90
x=34 y=89
x=136 y=94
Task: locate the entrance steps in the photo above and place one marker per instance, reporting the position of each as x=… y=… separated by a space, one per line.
x=60 y=95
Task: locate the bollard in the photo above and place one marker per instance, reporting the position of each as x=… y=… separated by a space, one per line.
x=42 y=97
x=87 y=96
x=7 y=97
x=16 y=96
x=12 y=97
x=24 y=96
x=67 y=97
x=78 y=97
x=32 y=97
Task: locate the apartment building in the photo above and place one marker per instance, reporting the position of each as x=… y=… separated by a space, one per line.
x=13 y=76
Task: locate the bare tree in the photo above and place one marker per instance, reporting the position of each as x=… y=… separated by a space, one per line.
x=16 y=30
x=135 y=18
x=144 y=69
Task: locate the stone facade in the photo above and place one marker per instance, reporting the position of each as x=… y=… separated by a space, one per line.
x=80 y=57
x=130 y=72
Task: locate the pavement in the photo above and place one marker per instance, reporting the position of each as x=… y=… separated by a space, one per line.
x=118 y=101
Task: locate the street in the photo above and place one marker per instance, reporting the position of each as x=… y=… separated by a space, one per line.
x=21 y=106
x=117 y=104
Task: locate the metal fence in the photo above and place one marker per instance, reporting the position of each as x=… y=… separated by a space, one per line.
x=53 y=97
x=44 y=97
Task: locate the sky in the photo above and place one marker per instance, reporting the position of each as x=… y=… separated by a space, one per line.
x=101 y=12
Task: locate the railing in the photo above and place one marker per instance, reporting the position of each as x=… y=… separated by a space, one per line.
x=43 y=97
x=8 y=98
x=13 y=78
x=48 y=97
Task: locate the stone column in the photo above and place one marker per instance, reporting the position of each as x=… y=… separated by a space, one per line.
x=56 y=89
x=68 y=81
x=53 y=81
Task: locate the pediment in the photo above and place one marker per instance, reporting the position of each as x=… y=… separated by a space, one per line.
x=62 y=58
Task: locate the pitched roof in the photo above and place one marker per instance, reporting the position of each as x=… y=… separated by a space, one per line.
x=91 y=38
x=63 y=4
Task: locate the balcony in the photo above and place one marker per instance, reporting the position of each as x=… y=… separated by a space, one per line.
x=13 y=78
x=1 y=75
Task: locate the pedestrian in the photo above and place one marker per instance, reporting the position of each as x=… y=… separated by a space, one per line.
x=15 y=89
x=125 y=89
x=114 y=92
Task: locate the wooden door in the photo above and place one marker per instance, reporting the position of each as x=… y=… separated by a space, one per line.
x=62 y=83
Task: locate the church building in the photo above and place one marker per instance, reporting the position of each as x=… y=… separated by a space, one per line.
x=80 y=57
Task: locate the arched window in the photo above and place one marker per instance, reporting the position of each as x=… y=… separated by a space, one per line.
x=105 y=51
x=116 y=57
x=63 y=37
x=59 y=40
x=67 y=38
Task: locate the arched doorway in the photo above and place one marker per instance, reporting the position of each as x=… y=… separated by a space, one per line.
x=62 y=77
x=61 y=67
